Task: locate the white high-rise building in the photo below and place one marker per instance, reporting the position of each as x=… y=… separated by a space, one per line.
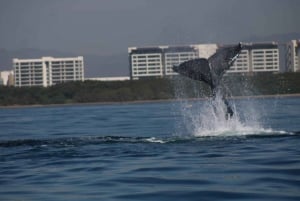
x=265 y=58
x=47 y=71
x=145 y=62
x=293 y=56
x=257 y=57
x=241 y=64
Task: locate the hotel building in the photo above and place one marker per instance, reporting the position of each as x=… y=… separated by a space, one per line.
x=242 y=63
x=47 y=71
x=146 y=62
x=257 y=57
x=293 y=56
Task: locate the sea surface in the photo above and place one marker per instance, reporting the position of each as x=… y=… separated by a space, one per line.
x=181 y=150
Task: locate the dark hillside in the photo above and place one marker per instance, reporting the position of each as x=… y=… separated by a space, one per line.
x=147 y=89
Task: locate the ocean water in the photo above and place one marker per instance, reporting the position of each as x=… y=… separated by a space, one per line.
x=184 y=150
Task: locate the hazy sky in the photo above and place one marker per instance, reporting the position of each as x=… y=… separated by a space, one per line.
x=108 y=27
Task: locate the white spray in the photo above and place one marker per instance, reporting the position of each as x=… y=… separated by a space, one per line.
x=209 y=117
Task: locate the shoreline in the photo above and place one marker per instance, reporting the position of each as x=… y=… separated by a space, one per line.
x=144 y=101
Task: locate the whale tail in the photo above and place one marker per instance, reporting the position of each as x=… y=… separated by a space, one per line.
x=211 y=70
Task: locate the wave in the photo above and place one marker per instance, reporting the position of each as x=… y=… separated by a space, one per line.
x=90 y=140
x=233 y=130
x=77 y=141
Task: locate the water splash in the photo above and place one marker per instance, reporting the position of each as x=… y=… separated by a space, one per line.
x=208 y=117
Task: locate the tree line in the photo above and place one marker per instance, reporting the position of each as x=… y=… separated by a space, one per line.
x=148 y=89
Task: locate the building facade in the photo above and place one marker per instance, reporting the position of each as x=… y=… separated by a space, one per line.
x=257 y=57
x=264 y=58
x=293 y=56
x=241 y=64
x=47 y=71
x=145 y=62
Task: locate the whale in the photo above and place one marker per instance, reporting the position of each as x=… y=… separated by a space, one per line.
x=211 y=70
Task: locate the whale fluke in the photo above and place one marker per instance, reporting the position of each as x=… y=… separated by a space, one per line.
x=212 y=69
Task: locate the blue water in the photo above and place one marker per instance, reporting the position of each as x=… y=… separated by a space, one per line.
x=153 y=151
